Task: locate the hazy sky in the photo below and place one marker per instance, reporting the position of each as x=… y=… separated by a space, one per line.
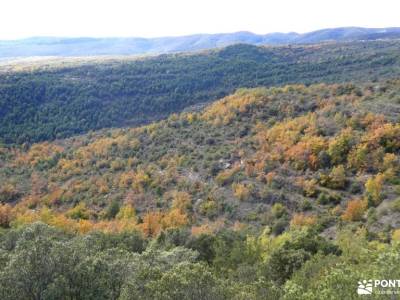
x=150 y=18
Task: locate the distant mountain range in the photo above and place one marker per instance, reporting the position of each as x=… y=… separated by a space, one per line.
x=58 y=46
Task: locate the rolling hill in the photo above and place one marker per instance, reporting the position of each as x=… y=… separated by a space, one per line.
x=292 y=131
x=269 y=193
x=56 y=99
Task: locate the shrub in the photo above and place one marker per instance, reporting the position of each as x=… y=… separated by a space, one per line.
x=112 y=210
x=181 y=200
x=279 y=226
x=306 y=205
x=396 y=205
x=8 y=193
x=373 y=189
x=396 y=235
x=310 y=188
x=337 y=178
x=209 y=208
x=340 y=146
x=355 y=187
x=325 y=198
x=78 y=212
x=278 y=210
x=226 y=176
x=126 y=212
x=241 y=191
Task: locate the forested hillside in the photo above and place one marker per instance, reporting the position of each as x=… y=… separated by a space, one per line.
x=58 y=100
x=270 y=193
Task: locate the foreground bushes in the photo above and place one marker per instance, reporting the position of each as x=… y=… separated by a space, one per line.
x=40 y=262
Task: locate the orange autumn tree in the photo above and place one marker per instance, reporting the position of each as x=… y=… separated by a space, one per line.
x=151 y=225
x=302 y=220
x=174 y=218
x=304 y=154
x=291 y=140
x=355 y=210
x=6 y=215
x=154 y=222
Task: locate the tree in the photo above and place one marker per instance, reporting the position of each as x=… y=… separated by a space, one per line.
x=31 y=269
x=302 y=220
x=204 y=245
x=8 y=193
x=283 y=262
x=358 y=157
x=112 y=210
x=278 y=210
x=6 y=215
x=174 y=218
x=355 y=210
x=126 y=212
x=187 y=281
x=78 y=212
x=151 y=225
x=181 y=200
x=337 y=177
x=340 y=146
x=373 y=189
x=309 y=187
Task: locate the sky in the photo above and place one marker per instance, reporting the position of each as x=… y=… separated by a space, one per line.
x=155 y=18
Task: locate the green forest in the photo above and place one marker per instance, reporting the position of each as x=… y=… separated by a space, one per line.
x=56 y=100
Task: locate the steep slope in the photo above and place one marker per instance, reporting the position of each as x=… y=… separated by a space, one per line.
x=47 y=46
x=48 y=100
x=260 y=157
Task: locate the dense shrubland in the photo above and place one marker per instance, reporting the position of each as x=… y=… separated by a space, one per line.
x=317 y=150
x=284 y=192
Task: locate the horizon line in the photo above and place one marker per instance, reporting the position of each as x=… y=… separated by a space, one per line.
x=189 y=35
